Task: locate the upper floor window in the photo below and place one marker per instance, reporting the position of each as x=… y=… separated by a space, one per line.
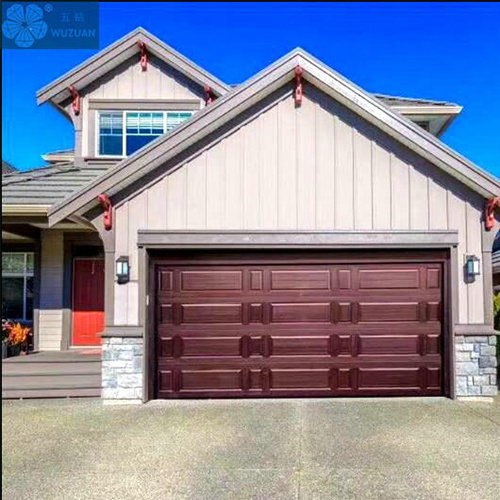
x=122 y=133
x=17 y=285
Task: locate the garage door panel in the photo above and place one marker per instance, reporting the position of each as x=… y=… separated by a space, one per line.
x=389 y=311
x=319 y=329
x=304 y=312
x=433 y=278
x=179 y=381
x=245 y=346
x=300 y=379
x=296 y=381
x=300 y=280
x=376 y=345
x=165 y=381
x=431 y=344
x=345 y=296
x=433 y=379
x=396 y=377
x=211 y=313
x=211 y=280
x=165 y=281
x=196 y=380
x=200 y=346
x=433 y=311
x=389 y=278
x=401 y=329
x=300 y=346
x=300 y=312
x=382 y=278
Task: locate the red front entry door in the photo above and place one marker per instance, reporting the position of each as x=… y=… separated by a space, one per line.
x=88 y=301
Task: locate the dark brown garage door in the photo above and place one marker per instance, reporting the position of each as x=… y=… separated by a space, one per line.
x=285 y=325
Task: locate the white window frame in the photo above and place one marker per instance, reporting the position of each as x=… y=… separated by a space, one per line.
x=124 y=126
x=25 y=275
x=98 y=134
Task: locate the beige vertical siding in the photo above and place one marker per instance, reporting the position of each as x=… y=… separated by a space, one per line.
x=312 y=167
x=128 y=81
x=51 y=290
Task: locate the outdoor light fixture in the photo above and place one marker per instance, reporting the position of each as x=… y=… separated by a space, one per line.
x=472 y=266
x=122 y=269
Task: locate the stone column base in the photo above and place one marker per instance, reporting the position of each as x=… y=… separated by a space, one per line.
x=122 y=369
x=476 y=365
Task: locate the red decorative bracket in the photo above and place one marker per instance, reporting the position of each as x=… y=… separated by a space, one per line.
x=489 y=212
x=108 y=211
x=298 y=85
x=144 y=55
x=76 y=100
x=209 y=95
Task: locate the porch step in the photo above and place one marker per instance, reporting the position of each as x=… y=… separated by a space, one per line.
x=52 y=375
x=89 y=381
x=76 y=356
x=55 y=368
x=51 y=393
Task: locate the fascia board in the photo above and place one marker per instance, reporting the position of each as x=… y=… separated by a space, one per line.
x=427 y=110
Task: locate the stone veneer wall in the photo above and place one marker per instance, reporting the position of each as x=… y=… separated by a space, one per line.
x=122 y=368
x=476 y=365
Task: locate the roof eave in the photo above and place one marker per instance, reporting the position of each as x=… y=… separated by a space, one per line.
x=428 y=110
x=22 y=209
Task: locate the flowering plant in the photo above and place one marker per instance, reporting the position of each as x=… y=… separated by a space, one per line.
x=18 y=335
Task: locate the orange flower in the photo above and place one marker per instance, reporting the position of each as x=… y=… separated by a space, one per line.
x=18 y=334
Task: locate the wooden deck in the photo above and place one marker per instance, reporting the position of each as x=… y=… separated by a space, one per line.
x=52 y=374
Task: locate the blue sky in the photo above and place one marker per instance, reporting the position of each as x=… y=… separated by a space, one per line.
x=444 y=51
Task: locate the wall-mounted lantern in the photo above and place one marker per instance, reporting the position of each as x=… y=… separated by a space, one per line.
x=122 y=269
x=472 y=266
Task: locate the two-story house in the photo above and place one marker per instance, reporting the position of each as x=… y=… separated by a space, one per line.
x=294 y=235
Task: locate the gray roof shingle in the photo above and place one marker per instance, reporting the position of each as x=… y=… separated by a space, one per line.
x=46 y=185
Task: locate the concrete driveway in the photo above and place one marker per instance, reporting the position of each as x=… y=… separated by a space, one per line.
x=282 y=449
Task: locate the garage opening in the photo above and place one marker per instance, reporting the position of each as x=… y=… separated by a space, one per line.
x=298 y=324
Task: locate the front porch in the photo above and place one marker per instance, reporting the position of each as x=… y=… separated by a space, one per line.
x=53 y=282
x=56 y=374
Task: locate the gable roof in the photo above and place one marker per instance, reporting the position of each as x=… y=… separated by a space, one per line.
x=113 y=55
x=46 y=186
x=242 y=97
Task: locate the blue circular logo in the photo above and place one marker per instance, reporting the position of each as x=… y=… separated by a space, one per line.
x=24 y=25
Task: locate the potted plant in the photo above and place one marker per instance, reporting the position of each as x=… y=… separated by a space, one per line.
x=18 y=339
